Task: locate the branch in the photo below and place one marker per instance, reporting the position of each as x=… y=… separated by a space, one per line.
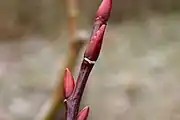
x=56 y=100
x=77 y=39
x=73 y=94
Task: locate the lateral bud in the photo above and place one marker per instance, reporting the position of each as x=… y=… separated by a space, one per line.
x=104 y=11
x=68 y=83
x=94 y=46
x=83 y=114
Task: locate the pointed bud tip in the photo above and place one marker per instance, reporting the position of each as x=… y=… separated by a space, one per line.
x=86 y=109
x=83 y=114
x=68 y=83
x=67 y=69
x=104 y=9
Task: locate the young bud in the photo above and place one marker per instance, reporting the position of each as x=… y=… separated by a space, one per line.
x=104 y=10
x=83 y=114
x=68 y=83
x=94 y=46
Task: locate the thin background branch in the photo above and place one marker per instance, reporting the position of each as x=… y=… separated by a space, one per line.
x=75 y=44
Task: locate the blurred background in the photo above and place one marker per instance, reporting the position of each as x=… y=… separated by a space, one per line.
x=137 y=76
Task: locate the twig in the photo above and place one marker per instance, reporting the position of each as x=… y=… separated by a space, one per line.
x=72 y=15
x=73 y=94
x=57 y=97
x=75 y=43
x=52 y=106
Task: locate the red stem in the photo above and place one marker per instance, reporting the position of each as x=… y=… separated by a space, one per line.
x=73 y=99
x=73 y=102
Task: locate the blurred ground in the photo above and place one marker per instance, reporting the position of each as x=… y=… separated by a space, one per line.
x=135 y=78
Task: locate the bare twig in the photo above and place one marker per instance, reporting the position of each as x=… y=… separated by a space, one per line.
x=73 y=94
